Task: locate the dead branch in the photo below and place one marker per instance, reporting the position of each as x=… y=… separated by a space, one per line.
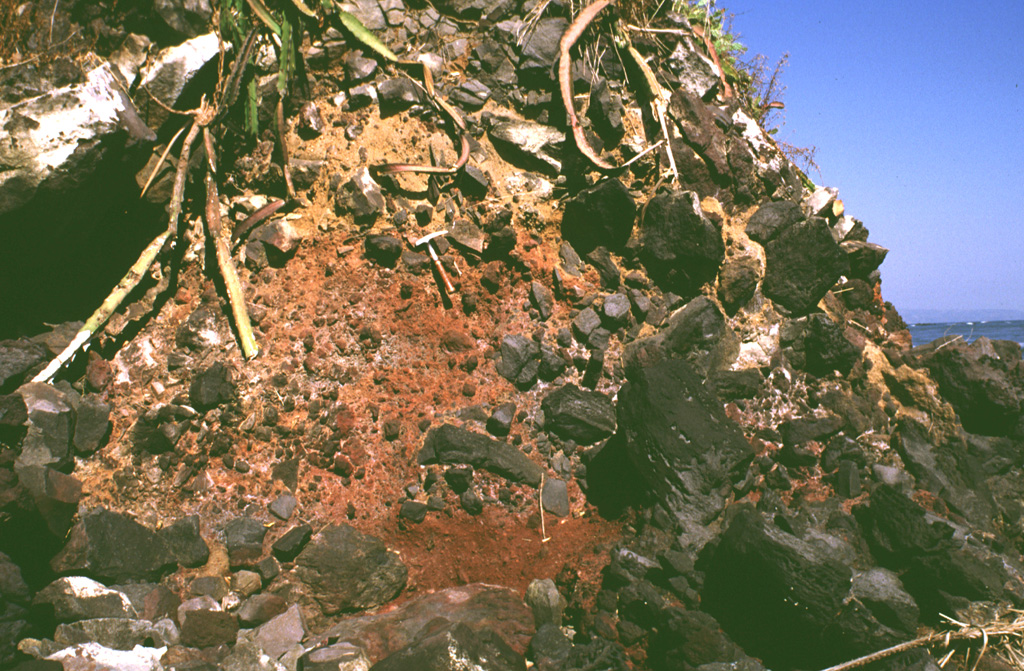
x=572 y=34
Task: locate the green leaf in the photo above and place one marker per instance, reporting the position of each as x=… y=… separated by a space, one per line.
x=265 y=16
x=363 y=34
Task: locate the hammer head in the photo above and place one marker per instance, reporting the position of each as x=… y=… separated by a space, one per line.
x=427 y=238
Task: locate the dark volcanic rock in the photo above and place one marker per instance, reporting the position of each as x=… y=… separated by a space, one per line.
x=803 y=263
x=517 y=351
x=160 y=427
x=943 y=465
x=185 y=542
x=606 y=267
x=737 y=282
x=605 y=111
x=14 y=595
x=500 y=609
x=204 y=623
x=384 y=249
x=542 y=299
x=51 y=426
x=397 y=95
x=774 y=592
x=978 y=382
x=600 y=215
x=555 y=497
x=115 y=548
x=826 y=348
x=773 y=218
x=211 y=387
x=679 y=439
x=243 y=537
x=414 y=511
x=540 y=49
x=690 y=639
x=361 y=196
x=455 y=646
x=697 y=333
x=500 y=422
x=864 y=257
x=288 y=546
x=574 y=414
x=188 y=18
x=935 y=567
x=449 y=444
x=347 y=570
x=92 y=424
x=679 y=245
x=55 y=495
x=18 y=357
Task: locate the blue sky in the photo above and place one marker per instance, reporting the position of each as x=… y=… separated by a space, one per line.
x=917 y=111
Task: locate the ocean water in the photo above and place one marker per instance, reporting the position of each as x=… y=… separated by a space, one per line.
x=924 y=333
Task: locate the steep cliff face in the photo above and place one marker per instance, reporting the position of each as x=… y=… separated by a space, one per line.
x=662 y=419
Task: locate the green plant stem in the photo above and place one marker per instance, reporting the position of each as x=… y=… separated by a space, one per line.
x=107 y=307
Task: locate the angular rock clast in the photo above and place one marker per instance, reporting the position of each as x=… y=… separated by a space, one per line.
x=680 y=247
x=113 y=547
x=803 y=263
x=601 y=215
x=679 y=439
x=348 y=571
x=575 y=414
x=450 y=444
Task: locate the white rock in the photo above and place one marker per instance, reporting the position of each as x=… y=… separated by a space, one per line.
x=47 y=136
x=95 y=657
x=175 y=66
x=78 y=597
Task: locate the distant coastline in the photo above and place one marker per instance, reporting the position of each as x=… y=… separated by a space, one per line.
x=939 y=316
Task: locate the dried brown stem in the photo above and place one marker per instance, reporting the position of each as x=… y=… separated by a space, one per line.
x=255 y=218
x=453 y=116
x=285 y=163
x=586 y=16
x=224 y=262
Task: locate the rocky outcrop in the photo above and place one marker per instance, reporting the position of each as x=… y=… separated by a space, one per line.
x=699 y=442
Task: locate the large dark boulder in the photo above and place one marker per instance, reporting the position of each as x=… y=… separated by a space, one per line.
x=803 y=263
x=864 y=257
x=679 y=246
x=450 y=444
x=937 y=569
x=774 y=593
x=697 y=333
x=679 y=439
x=942 y=463
x=737 y=282
x=575 y=414
x=499 y=609
x=601 y=215
x=983 y=381
x=114 y=548
x=347 y=571
x=773 y=218
x=826 y=347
